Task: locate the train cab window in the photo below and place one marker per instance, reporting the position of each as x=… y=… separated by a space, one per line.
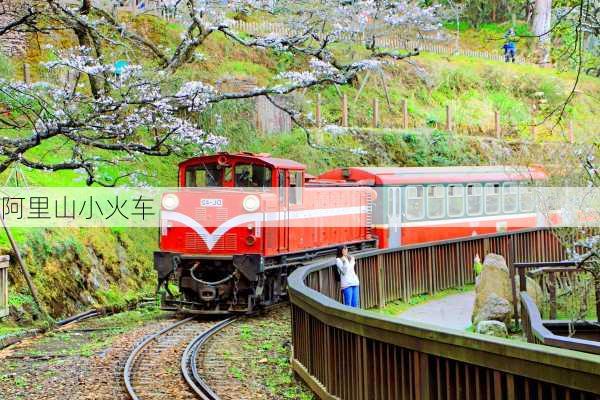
x=492 y=198
x=510 y=194
x=436 y=201
x=526 y=198
x=203 y=176
x=456 y=200
x=474 y=201
x=295 y=187
x=281 y=185
x=415 y=202
x=249 y=175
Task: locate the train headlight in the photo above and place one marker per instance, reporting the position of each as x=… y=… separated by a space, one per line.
x=170 y=202
x=251 y=203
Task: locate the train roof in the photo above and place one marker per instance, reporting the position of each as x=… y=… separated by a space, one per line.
x=248 y=157
x=378 y=176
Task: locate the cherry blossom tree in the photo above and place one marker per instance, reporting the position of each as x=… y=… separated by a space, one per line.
x=144 y=110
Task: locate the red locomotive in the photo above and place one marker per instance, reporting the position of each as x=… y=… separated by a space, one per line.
x=240 y=223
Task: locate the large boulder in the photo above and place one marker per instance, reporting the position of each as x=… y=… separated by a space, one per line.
x=534 y=291
x=493 y=328
x=494 y=279
x=495 y=308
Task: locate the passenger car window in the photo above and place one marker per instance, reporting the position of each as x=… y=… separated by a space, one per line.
x=456 y=200
x=510 y=194
x=415 y=202
x=474 y=201
x=526 y=198
x=248 y=175
x=492 y=198
x=436 y=201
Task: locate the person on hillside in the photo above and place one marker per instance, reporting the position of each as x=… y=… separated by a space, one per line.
x=510 y=46
x=348 y=278
x=510 y=49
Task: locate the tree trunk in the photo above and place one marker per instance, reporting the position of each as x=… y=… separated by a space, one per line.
x=86 y=43
x=540 y=25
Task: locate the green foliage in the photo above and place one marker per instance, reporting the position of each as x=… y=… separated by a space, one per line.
x=463 y=25
x=6 y=67
x=19 y=299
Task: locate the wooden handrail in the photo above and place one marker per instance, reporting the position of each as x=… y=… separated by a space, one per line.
x=547 y=337
x=389 y=358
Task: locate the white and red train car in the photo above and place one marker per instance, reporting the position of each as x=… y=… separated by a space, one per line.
x=239 y=223
x=425 y=204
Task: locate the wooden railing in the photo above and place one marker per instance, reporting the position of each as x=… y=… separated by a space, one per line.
x=355 y=354
x=537 y=330
x=4 y=286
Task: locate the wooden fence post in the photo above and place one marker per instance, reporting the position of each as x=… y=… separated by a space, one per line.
x=552 y=295
x=571 y=133
x=375 y=113
x=430 y=270
x=318 y=110
x=404 y=114
x=4 y=309
x=345 y=110
x=448 y=118
x=26 y=73
x=380 y=282
x=497 y=128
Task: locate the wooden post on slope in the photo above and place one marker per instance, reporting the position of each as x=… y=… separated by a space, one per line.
x=448 y=118
x=571 y=133
x=404 y=114
x=26 y=275
x=375 y=113
x=497 y=128
x=345 y=110
x=318 y=110
x=26 y=73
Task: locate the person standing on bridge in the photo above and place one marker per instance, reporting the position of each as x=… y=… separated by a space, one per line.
x=348 y=278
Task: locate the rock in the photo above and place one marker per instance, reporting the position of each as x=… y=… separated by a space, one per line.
x=493 y=328
x=533 y=290
x=494 y=279
x=495 y=308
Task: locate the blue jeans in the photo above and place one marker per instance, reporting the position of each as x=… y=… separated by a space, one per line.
x=350 y=295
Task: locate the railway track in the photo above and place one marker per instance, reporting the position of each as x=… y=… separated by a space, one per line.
x=189 y=362
x=150 y=372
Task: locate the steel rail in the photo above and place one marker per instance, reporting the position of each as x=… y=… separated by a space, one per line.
x=128 y=370
x=189 y=367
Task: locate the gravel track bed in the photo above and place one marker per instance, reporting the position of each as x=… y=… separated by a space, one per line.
x=83 y=361
x=249 y=360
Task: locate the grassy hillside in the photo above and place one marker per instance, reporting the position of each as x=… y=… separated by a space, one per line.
x=74 y=268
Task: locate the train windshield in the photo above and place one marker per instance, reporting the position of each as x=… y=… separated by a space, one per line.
x=204 y=175
x=250 y=175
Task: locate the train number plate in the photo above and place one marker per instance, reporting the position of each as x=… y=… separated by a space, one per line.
x=211 y=202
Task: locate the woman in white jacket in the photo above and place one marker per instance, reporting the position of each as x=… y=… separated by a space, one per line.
x=348 y=278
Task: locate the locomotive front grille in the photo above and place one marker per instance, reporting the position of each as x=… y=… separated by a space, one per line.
x=222 y=214
x=194 y=244
x=200 y=214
